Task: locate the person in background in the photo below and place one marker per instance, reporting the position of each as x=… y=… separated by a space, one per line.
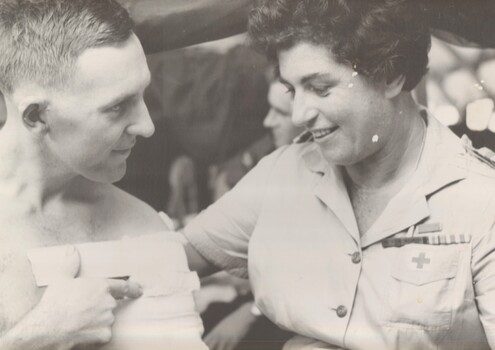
x=282 y=131
x=278 y=120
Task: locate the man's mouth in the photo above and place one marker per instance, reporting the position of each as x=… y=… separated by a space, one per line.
x=124 y=151
x=322 y=133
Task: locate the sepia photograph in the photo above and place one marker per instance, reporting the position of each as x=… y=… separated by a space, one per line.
x=247 y=174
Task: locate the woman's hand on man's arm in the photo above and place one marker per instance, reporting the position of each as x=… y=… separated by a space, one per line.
x=198 y=263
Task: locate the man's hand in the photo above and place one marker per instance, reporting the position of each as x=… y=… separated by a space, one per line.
x=72 y=311
x=80 y=311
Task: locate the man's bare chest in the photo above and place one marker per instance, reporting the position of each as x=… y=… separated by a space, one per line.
x=18 y=234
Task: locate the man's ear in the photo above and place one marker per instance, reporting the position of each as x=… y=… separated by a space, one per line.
x=33 y=115
x=394 y=87
x=3 y=110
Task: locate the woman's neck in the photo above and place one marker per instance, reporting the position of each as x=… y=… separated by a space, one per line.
x=397 y=159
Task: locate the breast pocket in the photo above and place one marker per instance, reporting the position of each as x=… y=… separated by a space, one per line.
x=421 y=286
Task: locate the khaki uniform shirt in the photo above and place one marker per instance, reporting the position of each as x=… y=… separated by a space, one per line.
x=422 y=277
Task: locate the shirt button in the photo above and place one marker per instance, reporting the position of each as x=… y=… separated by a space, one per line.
x=356 y=257
x=341 y=311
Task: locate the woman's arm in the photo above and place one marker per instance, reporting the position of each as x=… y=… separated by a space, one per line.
x=222 y=232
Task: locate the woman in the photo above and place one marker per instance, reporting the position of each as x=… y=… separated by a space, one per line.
x=376 y=232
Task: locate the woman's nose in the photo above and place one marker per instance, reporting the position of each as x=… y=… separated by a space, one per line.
x=302 y=112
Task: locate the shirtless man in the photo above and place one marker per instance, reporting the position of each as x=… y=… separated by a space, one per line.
x=73 y=75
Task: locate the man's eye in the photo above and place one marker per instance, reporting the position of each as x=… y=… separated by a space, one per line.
x=116 y=108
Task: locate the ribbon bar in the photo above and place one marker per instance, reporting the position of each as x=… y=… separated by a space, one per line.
x=430 y=239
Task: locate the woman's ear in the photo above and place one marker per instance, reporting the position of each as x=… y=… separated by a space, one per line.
x=394 y=87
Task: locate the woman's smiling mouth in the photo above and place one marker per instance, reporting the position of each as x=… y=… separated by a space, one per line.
x=319 y=134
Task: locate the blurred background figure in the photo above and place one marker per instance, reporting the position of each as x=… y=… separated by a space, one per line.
x=281 y=132
x=278 y=120
x=183 y=203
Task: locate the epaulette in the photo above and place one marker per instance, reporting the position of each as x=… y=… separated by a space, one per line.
x=483 y=155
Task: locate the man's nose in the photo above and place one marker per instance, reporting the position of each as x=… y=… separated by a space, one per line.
x=142 y=125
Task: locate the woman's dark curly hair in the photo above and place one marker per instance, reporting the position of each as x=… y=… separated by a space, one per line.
x=382 y=39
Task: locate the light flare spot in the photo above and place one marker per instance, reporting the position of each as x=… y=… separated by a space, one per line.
x=375 y=138
x=351 y=85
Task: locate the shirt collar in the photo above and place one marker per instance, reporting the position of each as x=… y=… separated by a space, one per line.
x=443 y=160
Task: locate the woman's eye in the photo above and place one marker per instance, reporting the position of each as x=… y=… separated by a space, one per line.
x=320 y=91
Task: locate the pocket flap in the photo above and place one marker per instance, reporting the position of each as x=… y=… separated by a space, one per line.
x=420 y=264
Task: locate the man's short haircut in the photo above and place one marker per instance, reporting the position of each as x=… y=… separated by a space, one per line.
x=41 y=40
x=381 y=39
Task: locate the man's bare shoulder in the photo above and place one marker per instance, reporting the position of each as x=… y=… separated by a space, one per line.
x=128 y=213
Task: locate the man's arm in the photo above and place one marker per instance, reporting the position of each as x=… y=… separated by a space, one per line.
x=170 y=24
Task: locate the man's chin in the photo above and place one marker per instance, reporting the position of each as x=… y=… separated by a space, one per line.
x=110 y=176
x=119 y=176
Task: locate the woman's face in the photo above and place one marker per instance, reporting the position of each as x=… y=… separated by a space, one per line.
x=349 y=116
